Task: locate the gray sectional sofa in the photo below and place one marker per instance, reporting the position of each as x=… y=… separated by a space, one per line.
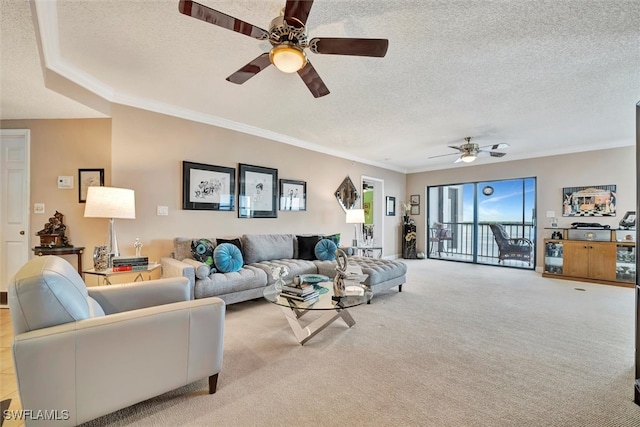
x=260 y=252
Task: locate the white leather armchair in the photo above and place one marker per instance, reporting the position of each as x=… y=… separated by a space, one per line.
x=81 y=353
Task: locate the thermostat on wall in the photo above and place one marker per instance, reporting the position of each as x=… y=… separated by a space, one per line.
x=65 y=182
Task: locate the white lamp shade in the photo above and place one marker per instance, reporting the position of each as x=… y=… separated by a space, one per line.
x=110 y=202
x=355 y=216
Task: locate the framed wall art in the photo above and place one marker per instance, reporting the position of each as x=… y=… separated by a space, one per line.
x=415 y=199
x=596 y=200
x=88 y=178
x=208 y=187
x=293 y=195
x=257 y=192
x=391 y=206
x=415 y=209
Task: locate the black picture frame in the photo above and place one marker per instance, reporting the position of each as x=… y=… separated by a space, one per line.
x=391 y=206
x=415 y=209
x=293 y=195
x=257 y=191
x=208 y=187
x=415 y=199
x=88 y=178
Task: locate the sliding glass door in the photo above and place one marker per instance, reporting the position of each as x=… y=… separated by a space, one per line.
x=489 y=222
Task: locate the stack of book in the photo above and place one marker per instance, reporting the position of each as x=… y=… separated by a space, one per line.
x=304 y=292
x=130 y=264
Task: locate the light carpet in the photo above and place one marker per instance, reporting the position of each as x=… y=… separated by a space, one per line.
x=461 y=345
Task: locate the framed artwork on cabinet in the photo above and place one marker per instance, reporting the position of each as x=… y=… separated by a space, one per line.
x=595 y=200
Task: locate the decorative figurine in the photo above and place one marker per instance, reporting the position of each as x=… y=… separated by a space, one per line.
x=339 y=286
x=138 y=245
x=52 y=234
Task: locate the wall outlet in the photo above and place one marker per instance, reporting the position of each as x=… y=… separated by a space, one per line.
x=38 y=208
x=162 y=210
x=65 y=182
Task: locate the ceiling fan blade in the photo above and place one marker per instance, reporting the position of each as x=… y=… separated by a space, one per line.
x=298 y=11
x=444 y=155
x=204 y=13
x=458 y=160
x=349 y=46
x=497 y=146
x=250 y=70
x=455 y=147
x=313 y=81
x=496 y=154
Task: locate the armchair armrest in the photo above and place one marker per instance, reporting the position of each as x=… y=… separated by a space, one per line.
x=174 y=268
x=137 y=295
x=520 y=241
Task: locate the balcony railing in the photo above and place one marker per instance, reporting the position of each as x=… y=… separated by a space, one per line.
x=462 y=244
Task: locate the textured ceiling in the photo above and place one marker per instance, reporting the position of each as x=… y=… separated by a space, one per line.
x=547 y=77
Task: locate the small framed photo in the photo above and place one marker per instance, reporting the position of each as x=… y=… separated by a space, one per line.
x=88 y=178
x=415 y=209
x=391 y=206
x=415 y=199
x=293 y=195
x=257 y=192
x=208 y=187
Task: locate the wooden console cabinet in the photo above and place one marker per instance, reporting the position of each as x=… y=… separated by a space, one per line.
x=611 y=263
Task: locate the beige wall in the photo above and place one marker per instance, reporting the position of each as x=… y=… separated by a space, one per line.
x=61 y=147
x=144 y=151
x=602 y=167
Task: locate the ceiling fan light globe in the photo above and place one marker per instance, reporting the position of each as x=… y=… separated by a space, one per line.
x=287 y=59
x=468 y=157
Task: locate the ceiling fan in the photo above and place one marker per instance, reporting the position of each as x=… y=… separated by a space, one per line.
x=288 y=36
x=469 y=151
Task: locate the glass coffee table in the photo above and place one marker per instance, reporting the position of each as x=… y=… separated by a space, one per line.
x=331 y=309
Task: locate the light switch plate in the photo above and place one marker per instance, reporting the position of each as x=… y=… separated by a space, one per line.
x=162 y=210
x=65 y=182
x=38 y=208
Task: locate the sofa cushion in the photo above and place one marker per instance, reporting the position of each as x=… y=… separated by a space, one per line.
x=307 y=246
x=264 y=247
x=247 y=278
x=202 y=250
x=325 y=250
x=228 y=258
x=335 y=238
x=235 y=242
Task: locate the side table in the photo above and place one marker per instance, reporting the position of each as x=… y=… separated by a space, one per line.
x=368 y=251
x=61 y=250
x=108 y=273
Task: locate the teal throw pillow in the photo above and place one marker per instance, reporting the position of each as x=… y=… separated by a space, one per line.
x=325 y=250
x=228 y=258
x=335 y=238
x=202 y=250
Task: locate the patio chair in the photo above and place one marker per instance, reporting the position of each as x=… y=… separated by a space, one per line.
x=518 y=248
x=439 y=235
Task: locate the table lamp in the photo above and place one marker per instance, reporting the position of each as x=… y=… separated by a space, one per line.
x=112 y=203
x=355 y=216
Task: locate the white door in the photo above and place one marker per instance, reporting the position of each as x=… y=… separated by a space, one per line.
x=14 y=202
